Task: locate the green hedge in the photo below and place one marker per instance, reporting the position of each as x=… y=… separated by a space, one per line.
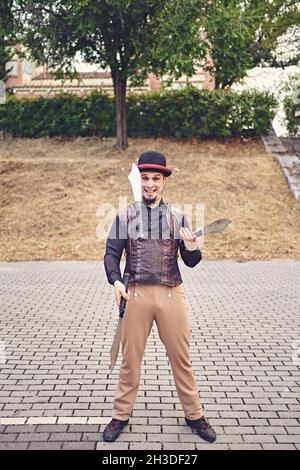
x=65 y=114
x=186 y=113
x=200 y=113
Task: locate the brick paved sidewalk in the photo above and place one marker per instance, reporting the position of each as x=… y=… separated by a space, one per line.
x=57 y=322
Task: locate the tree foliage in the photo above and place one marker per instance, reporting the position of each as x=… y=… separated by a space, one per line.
x=7 y=36
x=242 y=34
x=129 y=37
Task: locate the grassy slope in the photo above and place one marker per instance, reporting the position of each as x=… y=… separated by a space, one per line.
x=51 y=191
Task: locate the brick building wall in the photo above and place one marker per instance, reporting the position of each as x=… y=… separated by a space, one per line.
x=26 y=80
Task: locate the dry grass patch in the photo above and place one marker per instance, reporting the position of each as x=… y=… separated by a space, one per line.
x=51 y=189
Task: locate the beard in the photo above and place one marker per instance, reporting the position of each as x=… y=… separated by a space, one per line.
x=149 y=199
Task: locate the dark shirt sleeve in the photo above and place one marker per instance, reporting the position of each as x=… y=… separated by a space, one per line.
x=190 y=258
x=114 y=249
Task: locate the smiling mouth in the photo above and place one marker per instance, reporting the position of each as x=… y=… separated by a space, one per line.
x=150 y=192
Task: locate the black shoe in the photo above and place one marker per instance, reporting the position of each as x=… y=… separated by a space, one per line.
x=203 y=428
x=114 y=429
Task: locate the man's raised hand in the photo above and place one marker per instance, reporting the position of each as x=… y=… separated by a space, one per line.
x=190 y=240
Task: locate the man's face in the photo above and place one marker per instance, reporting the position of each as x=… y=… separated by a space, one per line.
x=152 y=186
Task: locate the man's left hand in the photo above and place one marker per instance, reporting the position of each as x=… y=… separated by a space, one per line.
x=190 y=240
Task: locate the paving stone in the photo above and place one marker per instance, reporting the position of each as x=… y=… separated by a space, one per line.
x=179 y=446
x=14 y=445
x=92 y=428
x=289 y=439
x=145 y=428
x=65 y=436
x=72 y=420
x=145 y=446
x=132 y=437
x=211 y=446
x=90 y=436
x=52 y=428
x=8 y=421
x=9 y=437
x=55 y=386
x=44 y=446
x=112 y=445
x=176 y=429
x=41 y=420
x=231 y=438
x=79 y=445
x=37 y=436
x=245 y=446
x=165 y=437
x=239 y=430
x=259 y=438
x=270 y=430
x=277 y=446
x=97 y=420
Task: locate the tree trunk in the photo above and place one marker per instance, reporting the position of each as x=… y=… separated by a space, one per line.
x=120 y=85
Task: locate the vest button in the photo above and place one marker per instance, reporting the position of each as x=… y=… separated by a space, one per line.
x=135 y=294
x=169 y=295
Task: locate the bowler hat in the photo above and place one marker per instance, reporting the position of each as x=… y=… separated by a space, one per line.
x=151 y=160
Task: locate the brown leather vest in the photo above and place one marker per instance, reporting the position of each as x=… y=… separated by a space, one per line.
x=153 y=261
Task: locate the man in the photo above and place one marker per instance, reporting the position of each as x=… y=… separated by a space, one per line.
x=155 y=294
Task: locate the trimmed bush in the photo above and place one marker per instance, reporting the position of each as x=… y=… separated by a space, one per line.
x=291 y=104
x=200 y=114
x=63 y=115
x=186 y=113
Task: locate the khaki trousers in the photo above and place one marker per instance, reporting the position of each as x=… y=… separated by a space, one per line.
x=166 y=306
